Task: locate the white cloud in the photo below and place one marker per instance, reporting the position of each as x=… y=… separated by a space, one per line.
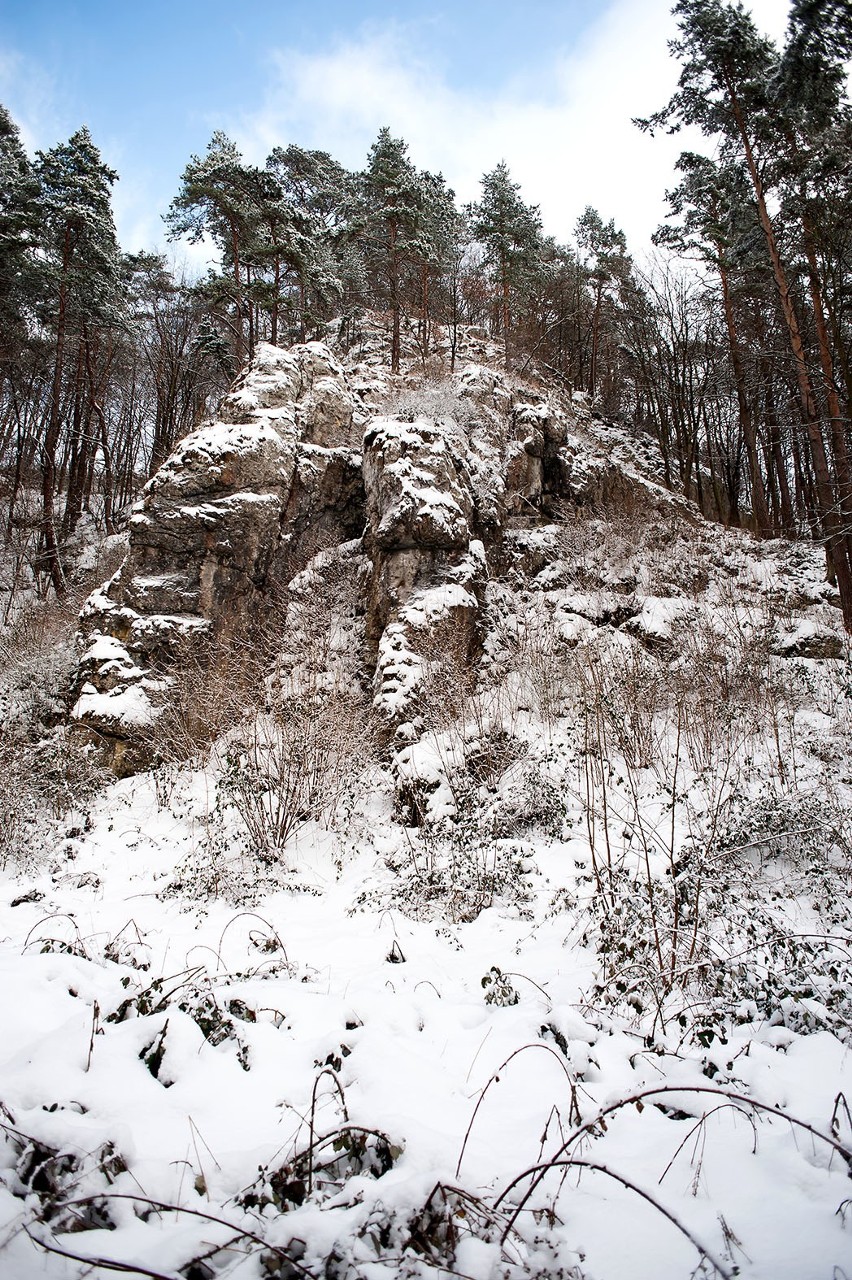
x=569 y=144
x=28 y=92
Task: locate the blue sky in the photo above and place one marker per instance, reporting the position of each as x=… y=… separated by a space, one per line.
x=548 y=85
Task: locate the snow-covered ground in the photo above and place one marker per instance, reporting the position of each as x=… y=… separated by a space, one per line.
x=186 y=1080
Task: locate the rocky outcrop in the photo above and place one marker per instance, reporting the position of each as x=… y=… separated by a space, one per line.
x=227 y=515
x=426 y=564
x=299 y=461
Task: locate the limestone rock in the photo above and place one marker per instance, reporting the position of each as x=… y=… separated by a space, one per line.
x=812 y=638
x=417 y=492
x=208 y=530
x=306 y=455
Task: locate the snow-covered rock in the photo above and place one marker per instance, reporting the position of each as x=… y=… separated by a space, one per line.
x=443 y=483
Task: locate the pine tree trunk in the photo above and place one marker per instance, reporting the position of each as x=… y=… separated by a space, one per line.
x=758 y=494
x=51 y=559
x=504 y=309
x=273 y=336
x=238 y=289
x=838 y=425
x=393 y=280
x=780 y=466
x=424 y=309
x=106 y=449
x=77 y=451
x=836 y=543
x=596 y=325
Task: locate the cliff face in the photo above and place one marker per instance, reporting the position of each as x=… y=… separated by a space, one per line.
x=424 y=491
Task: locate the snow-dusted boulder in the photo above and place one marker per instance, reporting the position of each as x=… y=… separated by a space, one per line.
x=418 y=495
x=819 y=636
x=426 y=569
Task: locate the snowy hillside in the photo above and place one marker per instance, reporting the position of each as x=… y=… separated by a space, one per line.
x=476 y=900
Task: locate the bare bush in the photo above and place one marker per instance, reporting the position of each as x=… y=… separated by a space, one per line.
x=321 y=640
x=730 y=687
x=470 y=722
x=626 y=687
x=208 y=689
x=304 y=643
x=458 y=869
x=438 y=400
x=666 y=740
x=541 y=661
x=289 y=766
x=43 y=782
x=623 y=544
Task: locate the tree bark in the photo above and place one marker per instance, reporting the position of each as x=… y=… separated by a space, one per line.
x=50 y=559
x=831 y=525
x=758 y=493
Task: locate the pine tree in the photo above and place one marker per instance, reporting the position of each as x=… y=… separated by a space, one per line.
x=19 y=235
x=607 y=264
x=813 y=125
x=176 y=345
x=559 y=304
x=443 y=232
x=393 y=223
x=320 y=196
x=277 y=248
x=717 y=222
x=82 y=268
x=729 y=88
x=213 y=201
x=510 y=232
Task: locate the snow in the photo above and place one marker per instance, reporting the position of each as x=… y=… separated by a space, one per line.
x=125 y=708
x=435 y=602
x=218 y=452
x=657 y=617
x=413 y=462
x=417 y=1052
x=398 y=672
x=187 y=1034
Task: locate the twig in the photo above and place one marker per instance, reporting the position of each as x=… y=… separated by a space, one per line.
x=591 y=1125
x=575 y=1162
x=104 y=1263
x=495 y=1079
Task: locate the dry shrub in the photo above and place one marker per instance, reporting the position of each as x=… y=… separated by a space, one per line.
x=542 y=662
x=624 y=544
x=291 y=765
x=210 y=688
x=42 y=785
x=448 y=687
x=292 y=711
x=302 y=643
x=730 y=687
x=438 y=400
x=320 y=635
x=45 y=772
x=624 y=698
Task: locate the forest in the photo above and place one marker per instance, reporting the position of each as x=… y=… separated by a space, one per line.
x=730 y=346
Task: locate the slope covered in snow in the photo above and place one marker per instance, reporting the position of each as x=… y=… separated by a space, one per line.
x=502 y=931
